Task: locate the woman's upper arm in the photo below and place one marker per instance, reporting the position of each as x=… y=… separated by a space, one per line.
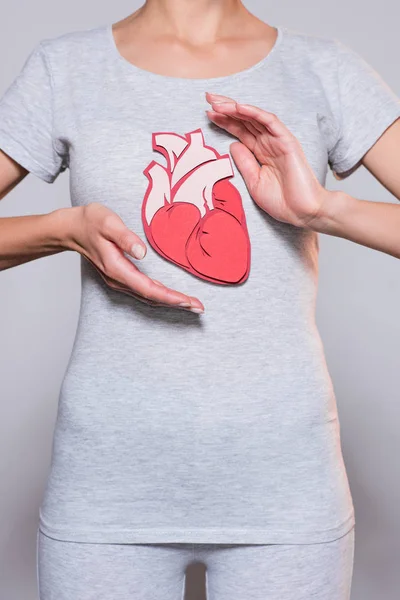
x=11 y=173
x=383 y=159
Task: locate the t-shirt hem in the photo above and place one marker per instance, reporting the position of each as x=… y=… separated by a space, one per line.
x=18 y=152
x=215 y=535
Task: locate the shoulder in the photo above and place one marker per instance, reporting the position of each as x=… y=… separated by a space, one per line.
x=311 y=49
x=318 y=63
x=74 y=48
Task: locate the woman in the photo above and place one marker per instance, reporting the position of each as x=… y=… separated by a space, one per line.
x=183 y=436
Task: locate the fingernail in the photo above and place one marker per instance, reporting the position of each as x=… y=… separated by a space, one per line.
x=197 y=310
x=185 y=304
x=138 y=251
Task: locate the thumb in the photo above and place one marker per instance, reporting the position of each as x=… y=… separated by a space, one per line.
x=247 y=164
x=128 y=241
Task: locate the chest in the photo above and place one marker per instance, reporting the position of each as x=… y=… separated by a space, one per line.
x=112 y=141
x=144 y=152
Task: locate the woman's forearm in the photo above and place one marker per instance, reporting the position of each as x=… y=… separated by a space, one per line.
x=372 y=224
x=25 y=238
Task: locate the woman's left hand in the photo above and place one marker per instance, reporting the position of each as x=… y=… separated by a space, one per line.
x=271 y=161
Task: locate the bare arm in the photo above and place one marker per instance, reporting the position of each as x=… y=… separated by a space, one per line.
x=94 y=231
x=11 y=173
x=372 y=224
x=25 y=238
x=281 y=181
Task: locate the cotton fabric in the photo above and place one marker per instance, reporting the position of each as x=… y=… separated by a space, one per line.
x=76 y=570
x=173 y=426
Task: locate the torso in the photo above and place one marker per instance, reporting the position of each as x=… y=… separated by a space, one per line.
x=174 y=426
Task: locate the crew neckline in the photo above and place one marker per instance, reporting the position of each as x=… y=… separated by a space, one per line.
x=130 y=67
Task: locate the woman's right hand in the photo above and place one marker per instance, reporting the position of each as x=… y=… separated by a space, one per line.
x=100 y=236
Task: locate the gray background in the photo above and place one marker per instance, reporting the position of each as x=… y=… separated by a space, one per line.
x=357 y=315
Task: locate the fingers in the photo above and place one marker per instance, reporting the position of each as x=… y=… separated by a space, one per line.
x=229 y=109
x=103 y=239
x=269 y=120
x=232 y=109
x=246 y=164
x=225 y=103
x=119 y=270
x=129 y=292
x=115 y=230
x=218 y=98
x=233 y=126
x=250 y=126
x=261 y=120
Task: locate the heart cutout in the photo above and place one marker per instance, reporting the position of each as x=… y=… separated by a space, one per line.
x=192 y=214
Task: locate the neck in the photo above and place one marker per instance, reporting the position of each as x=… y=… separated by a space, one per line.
x=194 y=20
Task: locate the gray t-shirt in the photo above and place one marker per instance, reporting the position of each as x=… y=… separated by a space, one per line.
x=172 y=426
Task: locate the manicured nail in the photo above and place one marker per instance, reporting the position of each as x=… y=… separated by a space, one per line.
x=197 y=310
x=138 y=251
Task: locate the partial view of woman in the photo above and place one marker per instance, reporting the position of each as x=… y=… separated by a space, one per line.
x=197 y=420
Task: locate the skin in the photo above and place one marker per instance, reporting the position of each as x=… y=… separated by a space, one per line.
x=282 y=183
x=208 y=39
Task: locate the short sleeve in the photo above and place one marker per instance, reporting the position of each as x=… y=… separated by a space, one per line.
x=26 y=119
x=366 y=106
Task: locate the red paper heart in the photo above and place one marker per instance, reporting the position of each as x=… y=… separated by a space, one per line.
x=192 y=215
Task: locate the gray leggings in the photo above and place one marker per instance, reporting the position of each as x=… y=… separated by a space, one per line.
x=86 y=571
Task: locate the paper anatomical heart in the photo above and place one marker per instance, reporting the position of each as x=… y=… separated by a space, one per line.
x=192 y=214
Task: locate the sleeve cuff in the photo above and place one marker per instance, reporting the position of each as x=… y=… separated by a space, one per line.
x=18 y=152
x=354 y=156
